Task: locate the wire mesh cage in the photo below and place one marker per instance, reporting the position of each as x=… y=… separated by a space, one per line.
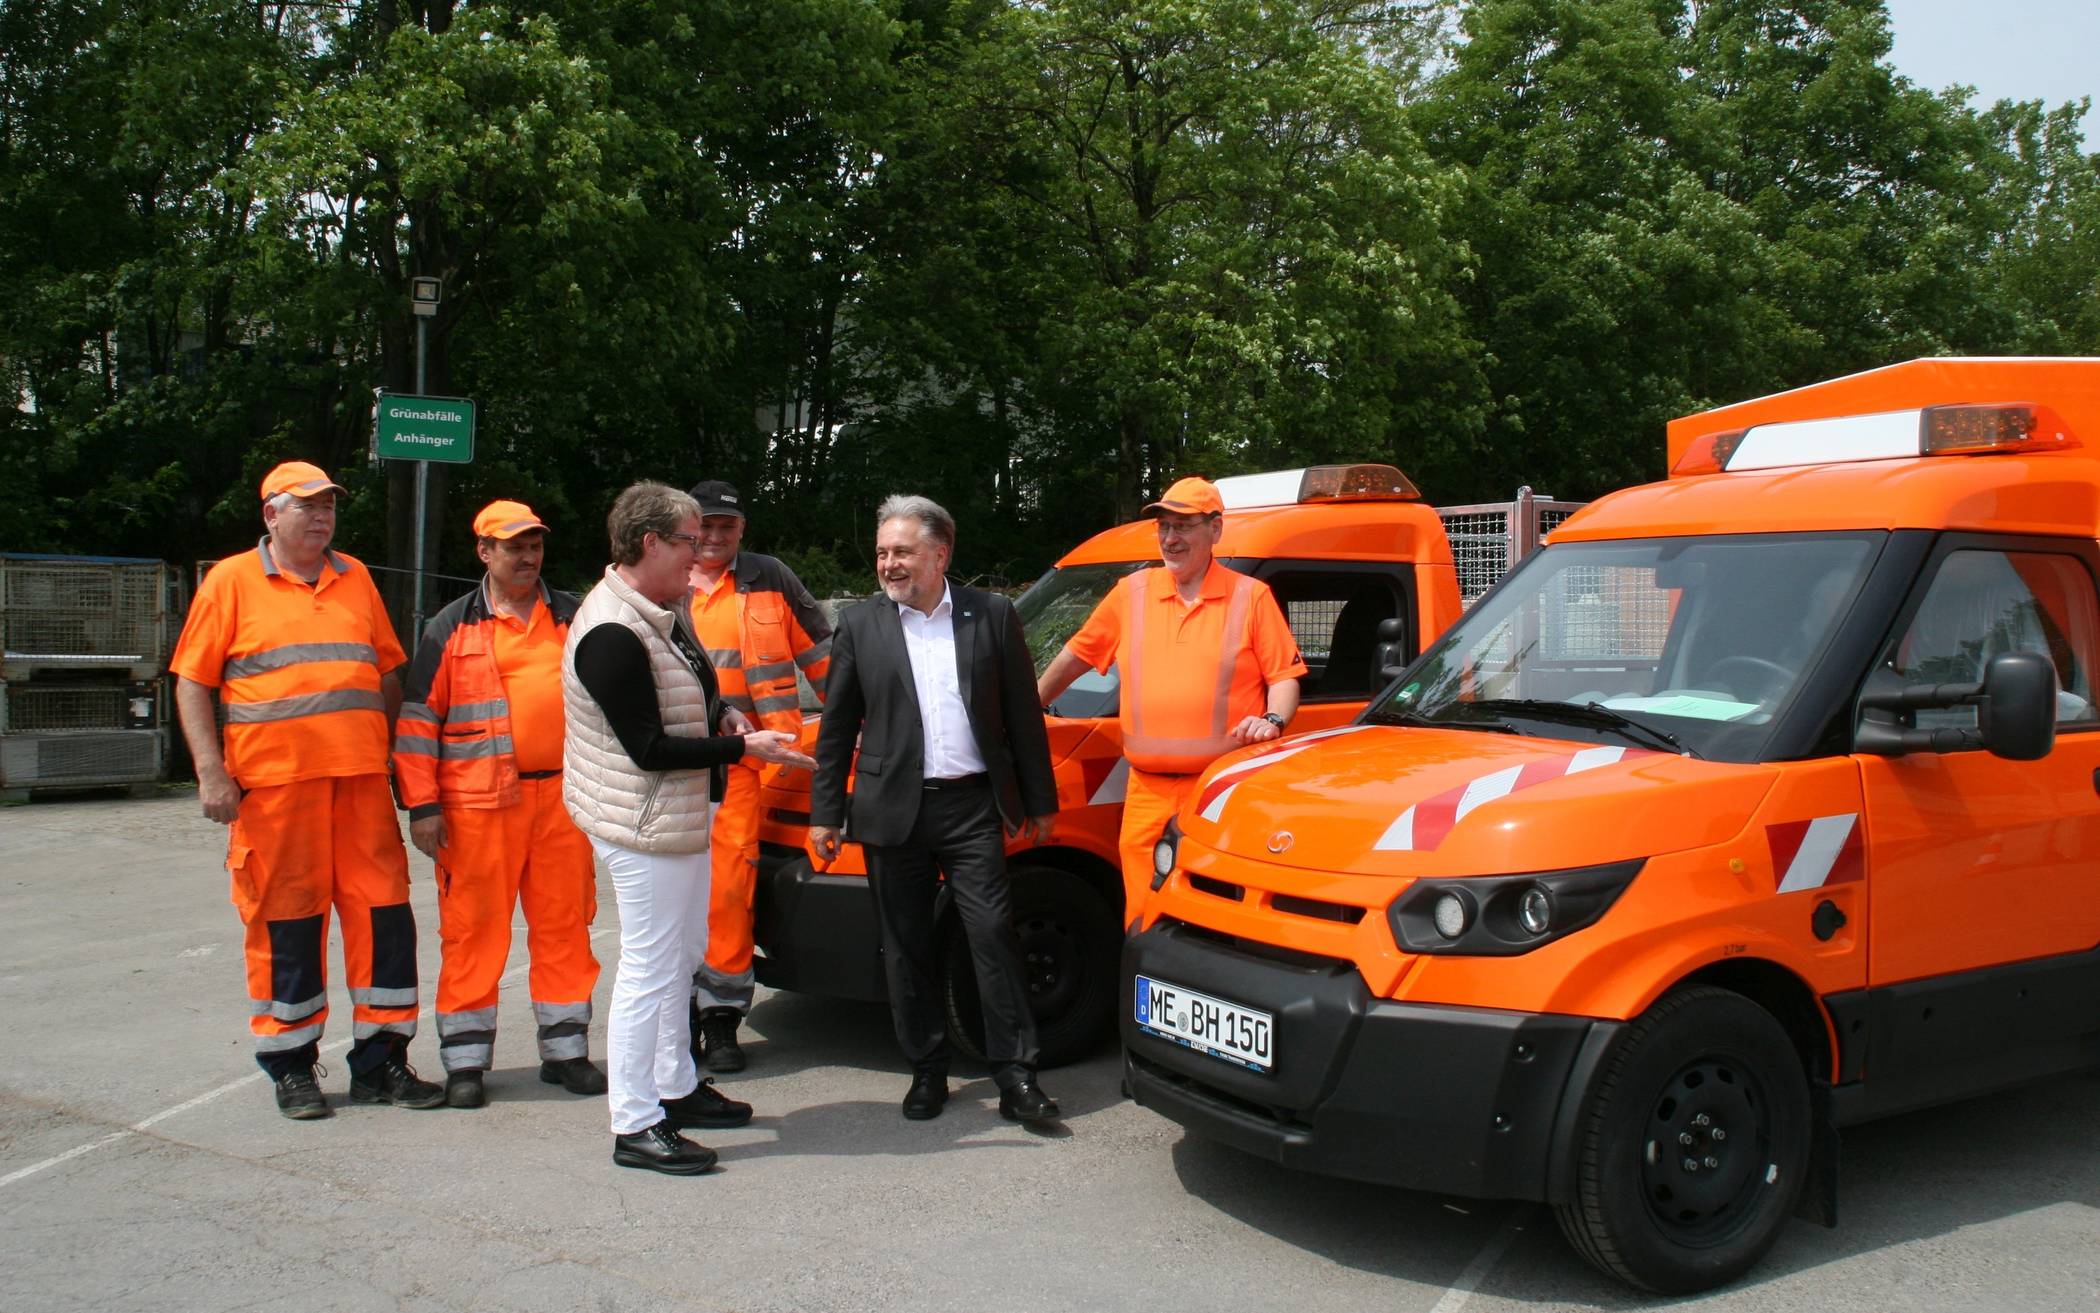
x=82 y=760
x=84 y=611
x=36 y=708
x=1489 y=538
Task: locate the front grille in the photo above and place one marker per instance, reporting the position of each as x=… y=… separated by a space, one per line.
x=1316 y=908
x=1217 y=888
x=1276 y=953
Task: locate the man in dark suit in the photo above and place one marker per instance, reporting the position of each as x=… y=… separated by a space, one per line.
x=935 y=683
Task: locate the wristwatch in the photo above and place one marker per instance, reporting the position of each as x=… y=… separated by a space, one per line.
x=1274 y=719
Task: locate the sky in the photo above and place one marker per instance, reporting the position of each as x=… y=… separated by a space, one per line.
x=2045 y=50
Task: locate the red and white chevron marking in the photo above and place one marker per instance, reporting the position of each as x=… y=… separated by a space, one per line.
x=1811 y=854
x=1210 y=803
x=1426 y=824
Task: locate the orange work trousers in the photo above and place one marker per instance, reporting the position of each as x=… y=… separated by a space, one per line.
x=294 y=851
x=724 y=979
x=495 y=859
x=1149 y=802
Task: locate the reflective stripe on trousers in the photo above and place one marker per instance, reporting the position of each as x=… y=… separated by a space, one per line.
x=297 y=853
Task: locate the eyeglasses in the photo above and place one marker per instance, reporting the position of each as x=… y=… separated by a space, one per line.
x=1181 y=528
x=691 y=540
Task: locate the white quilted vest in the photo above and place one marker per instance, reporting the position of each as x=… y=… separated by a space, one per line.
x=608 y=796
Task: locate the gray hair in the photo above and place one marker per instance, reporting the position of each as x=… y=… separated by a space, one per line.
x=281 y=501
x=645 y=508
x=938 y=525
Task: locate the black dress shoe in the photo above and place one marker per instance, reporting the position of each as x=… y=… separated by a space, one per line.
x=928 y=1093
x=660 y=1148
x=1024 y=1101
x=576 y=1075
x=463 y=1089
x=706 y=1106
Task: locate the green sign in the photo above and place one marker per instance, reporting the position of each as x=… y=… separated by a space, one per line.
x=426 y=428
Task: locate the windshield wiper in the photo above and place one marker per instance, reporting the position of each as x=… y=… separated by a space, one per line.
x=1593 y=714
x=1409 y=718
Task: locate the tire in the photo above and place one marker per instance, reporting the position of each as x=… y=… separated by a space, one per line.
x=1069 y=950
x=1704 y=1077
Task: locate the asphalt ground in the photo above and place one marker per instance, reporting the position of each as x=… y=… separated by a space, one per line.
x=143 y=1164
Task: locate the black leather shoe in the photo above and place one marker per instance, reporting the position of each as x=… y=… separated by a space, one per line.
x=299 y=1096
x=1024 y=1101
x=718 y=1047
x=706 y=1106
x=576 y=1075
x=395 y=1082
x=660 y=1148
x=927 y=1095
x=463 y=1089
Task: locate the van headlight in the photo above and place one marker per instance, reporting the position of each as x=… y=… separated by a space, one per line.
x=1504 y=915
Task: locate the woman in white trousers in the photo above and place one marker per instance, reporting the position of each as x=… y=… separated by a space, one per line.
x=646 y=735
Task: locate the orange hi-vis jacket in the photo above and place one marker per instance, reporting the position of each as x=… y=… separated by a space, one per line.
x=756 y=644
x=1189 y=673
x=297 y=667
x=452 y=744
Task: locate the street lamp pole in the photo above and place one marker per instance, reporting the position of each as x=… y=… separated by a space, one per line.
x=424 y=294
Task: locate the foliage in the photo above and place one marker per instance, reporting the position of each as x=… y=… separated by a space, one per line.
x=1033 y=259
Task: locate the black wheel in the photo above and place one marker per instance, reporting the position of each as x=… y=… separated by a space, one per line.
x=1692 y=1145
x=1069 y=946
x=1753 y=678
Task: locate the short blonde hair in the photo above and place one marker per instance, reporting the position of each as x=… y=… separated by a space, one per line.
x=645 y=508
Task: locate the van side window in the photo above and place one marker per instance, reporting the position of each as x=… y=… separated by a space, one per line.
x=1984 y=603
x=1335 y=619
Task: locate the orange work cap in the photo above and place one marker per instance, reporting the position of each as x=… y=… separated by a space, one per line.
x=299 y=479
x=505 y=519
x=1190 y=496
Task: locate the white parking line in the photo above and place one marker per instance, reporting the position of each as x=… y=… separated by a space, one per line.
x=1461 y=1290
x=509 y=977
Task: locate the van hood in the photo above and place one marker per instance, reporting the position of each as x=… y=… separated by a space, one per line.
x=1385 y=800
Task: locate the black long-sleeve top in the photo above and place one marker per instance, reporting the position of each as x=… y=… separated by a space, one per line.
x=613 y=667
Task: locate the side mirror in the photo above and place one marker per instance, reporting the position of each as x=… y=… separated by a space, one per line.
x=2018 y=716
x=1392 y=648
x=2015 y=712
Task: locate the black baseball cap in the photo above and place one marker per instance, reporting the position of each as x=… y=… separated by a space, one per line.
x=717 y=497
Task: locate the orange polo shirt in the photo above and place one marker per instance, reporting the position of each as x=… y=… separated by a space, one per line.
x=528 y=654
x=715 y=620
x=297 y=666
x=1183 y=647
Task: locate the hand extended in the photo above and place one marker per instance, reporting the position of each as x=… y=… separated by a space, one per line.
x=428 y=835
x=778 y=747
x=220 y=796
x=824 y=843
x=736 y=722
x=1255 y=729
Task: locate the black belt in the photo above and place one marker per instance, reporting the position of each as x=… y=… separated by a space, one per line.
x=540 y=774
x=957 y=782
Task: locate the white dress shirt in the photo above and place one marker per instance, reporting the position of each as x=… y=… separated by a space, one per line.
x=929 y=641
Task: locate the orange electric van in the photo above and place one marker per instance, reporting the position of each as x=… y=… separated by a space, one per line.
x=1345 y=548
x=1760 y=802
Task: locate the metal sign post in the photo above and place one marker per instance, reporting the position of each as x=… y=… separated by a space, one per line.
x=424 y=294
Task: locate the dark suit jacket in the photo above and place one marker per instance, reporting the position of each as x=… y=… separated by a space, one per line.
x=870 y=695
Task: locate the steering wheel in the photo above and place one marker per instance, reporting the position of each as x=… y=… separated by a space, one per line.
x=1762 y=676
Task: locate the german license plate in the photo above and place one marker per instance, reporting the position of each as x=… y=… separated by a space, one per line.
x=1230 y=1031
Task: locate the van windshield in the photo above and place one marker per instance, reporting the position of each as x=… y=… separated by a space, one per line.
x=1053 y=609
x=1673 y=644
